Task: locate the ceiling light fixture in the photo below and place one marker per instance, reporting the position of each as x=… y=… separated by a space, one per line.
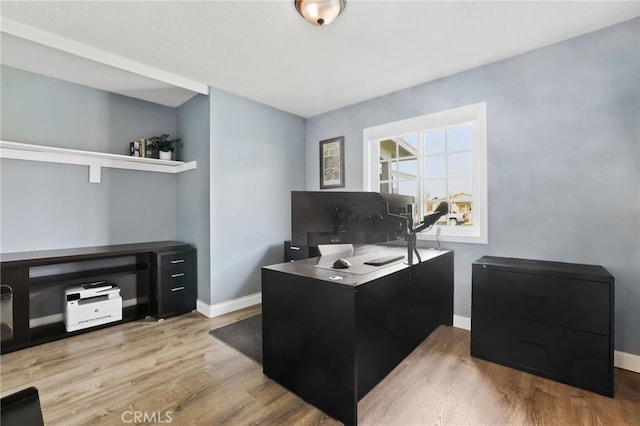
x=320 y=12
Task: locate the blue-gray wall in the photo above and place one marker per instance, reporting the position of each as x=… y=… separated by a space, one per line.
x=48 y=206
x=257 y=159
x=249 y=157
x=563 y=153
x=193 y=186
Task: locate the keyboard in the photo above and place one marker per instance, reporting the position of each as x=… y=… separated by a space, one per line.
x=379 y=261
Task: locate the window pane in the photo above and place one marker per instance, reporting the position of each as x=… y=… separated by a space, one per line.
x=434 y=142
x=459 y=164
x=408 y=168
x=408 y=187
x=411 y=139
x=435 y=166
x=407 y=146
x=387 y=149
x=459 y=138
x=405 y=150
x=384 y=188
x=461 y=212
x=460 y=187
x=435 y=189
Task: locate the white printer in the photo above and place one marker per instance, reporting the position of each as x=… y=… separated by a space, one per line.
x=91 y=304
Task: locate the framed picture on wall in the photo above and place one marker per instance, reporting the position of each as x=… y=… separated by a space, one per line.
x=332 y=163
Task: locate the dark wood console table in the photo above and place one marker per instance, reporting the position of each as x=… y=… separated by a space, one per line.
x=330 y=336
x=26 y=273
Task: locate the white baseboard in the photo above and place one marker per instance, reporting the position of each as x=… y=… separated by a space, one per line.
x=462 y=322
x=622 y=360
x=218 y=309
x=626 y=361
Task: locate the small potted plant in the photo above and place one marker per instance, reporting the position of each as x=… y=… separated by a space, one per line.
x=166 y=146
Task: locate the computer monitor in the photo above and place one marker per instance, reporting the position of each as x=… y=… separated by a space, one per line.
x=330 y=217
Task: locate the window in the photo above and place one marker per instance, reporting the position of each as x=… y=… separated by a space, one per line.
x=435 y=157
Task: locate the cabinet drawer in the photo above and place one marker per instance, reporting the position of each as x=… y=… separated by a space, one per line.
x=571 y=356
x=176 y=262
x=177 y=299
x=580 y=304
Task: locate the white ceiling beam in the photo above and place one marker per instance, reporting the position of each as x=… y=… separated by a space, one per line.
x=36 y=35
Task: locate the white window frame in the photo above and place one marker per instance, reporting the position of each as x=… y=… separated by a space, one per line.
x=475 y=115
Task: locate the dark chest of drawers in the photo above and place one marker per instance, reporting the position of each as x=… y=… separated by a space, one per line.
x=175 y=282
x=552 y=319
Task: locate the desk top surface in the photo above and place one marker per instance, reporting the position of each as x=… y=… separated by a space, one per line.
x=358 y=274
x=62 y=255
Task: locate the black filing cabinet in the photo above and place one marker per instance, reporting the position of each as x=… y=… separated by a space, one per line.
x=552 y=319
x=293 y=253
x=175 y=281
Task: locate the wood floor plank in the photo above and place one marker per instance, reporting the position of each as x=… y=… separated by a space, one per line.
x=174 y=372
x=440 y=383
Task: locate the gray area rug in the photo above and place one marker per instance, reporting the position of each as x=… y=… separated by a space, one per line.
x=244 y=336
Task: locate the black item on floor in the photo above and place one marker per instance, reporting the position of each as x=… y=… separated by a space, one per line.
x=21 y=409
x=244 y=336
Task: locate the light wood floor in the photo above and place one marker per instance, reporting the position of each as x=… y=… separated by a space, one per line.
x=174 y=372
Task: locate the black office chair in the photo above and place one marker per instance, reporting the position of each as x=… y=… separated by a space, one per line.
x=21 y=409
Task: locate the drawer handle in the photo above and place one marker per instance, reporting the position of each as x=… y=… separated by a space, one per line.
x=177 y=288
x=177 y=261
x=529 y=342
x=535 y=297
x=294 y=248
x=181 y=274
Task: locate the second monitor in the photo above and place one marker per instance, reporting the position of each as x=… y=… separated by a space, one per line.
x=348 y=217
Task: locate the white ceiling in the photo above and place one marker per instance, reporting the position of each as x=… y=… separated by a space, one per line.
x=263 y=50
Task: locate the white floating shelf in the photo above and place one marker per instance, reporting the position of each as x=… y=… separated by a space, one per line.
x=95 y=160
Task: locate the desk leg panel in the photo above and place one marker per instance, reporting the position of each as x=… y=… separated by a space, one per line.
x=395 y=313
x=308 y=341
x=437 y=276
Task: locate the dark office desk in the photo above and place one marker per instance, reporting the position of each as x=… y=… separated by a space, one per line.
x=330 y=335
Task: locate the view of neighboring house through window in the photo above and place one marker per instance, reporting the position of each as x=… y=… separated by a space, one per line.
x=434 y=158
